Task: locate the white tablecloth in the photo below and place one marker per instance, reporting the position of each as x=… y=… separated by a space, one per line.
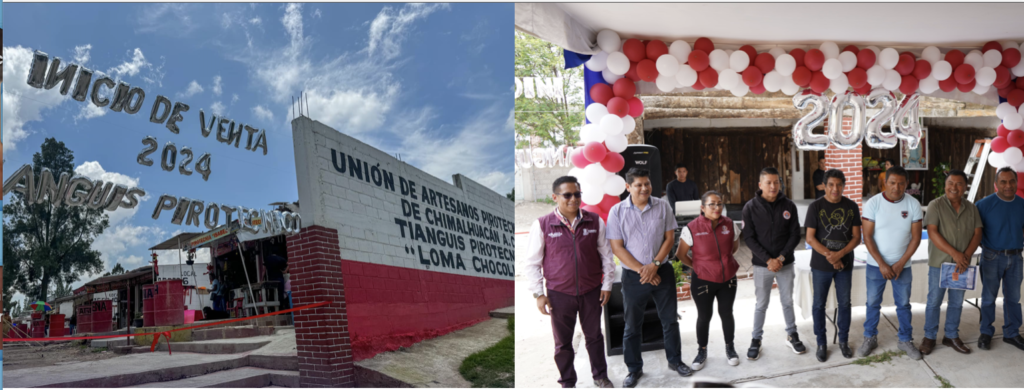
x=804 y=287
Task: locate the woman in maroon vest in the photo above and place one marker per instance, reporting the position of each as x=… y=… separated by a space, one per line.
x=713 y=240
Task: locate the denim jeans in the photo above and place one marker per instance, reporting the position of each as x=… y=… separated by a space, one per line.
x=995 y=268
x=953 y=308
x=634 y=300
x=900 y=294
x=822 y=283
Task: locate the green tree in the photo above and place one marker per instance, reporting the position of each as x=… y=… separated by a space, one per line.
x=117 y=270
x=554 y=122
x=53 y=243
x=61 y=290
x=511 y=195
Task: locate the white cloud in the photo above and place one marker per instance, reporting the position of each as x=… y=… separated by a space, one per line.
x=81 y=54
x=22 y=104
x=95 y=171
x=256 y=21
x=292 y=21
x=132 y=66
x=164 y=18
x=390 y=27
x=263 y=113
x=115 y=242
x=225 y=20
x=90 y=111
x=317 y=14
x=193 y=88
x=217 y=87
x=218 y=108
x=234 y=98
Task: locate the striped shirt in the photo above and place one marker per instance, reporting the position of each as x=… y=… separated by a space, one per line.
x=642 y=231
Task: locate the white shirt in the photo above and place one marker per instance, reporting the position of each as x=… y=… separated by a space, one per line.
x=535 y=258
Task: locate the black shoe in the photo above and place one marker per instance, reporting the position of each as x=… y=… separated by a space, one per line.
x=682 y=369
x=702 y=357
x=795 y=344
x=730 y=352
x=632 y=379
x=845 y=348
x=985 y=342
x=822 y=353
x=1015 y=341
x=754 y=351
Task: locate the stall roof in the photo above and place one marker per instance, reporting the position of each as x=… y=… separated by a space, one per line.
x=116 y=278
x=173 y=242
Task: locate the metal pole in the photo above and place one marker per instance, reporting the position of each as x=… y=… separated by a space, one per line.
x=248 y=283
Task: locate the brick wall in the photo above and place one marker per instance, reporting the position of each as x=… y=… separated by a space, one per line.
x=851 y=163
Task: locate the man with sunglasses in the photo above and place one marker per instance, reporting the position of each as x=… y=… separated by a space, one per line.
x=568 y=250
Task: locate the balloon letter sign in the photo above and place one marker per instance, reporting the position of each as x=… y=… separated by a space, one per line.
x=903 y=120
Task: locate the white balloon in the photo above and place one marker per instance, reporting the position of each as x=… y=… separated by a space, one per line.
x=839 y=84
x=1018 y=70
x=609 y=41
x=593 y=194
x=1005 y=108
x=618 y=63
x=596 y=111
x=985 y=76
x=680 y=50
x=789 y=86
x=992 y=58
x=785 y=64
x=598 y=62
x=931 y=54
x=719 y=59
x=665 y=83
x=849 y=60
x=1012 y=155
x=892 y=80
x=941 y=70
x=686 y=75
x=1008 y=44
x=929 y=84
x=773 y=81
x=611 y=125
x=575 y=172
x=667 y=65
x=876 y=50
x=594 y=175
x=591 y=133
x=1021 y=111
x=981 y=89
x=1019 y=167
x=876 y=75
x=616 y=143
x=996 y=160
x=739 y=60
x=610 y=77
x=728 y=78
x=740 y=89
x=776 y=52
x=832 y=68
x=628 y=124
x=1012 y=121
x=615 y=185
x=830 y=49
x=888 y=58
x=975 y=59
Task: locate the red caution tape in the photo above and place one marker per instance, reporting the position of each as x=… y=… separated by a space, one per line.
x=167 y=334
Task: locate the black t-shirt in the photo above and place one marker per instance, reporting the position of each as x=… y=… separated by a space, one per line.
x=678 y=192
x=818 y=178
x=833 y=224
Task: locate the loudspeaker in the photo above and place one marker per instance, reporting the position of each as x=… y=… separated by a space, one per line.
x=643 y=157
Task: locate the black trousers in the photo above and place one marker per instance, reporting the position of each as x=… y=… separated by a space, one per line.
x=704 y=294
x=634 y=299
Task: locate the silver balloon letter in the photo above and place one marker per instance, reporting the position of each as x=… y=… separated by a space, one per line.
x=63 y=77
x=82 y=86
x=835 y=120
x=802 y=135
x=876 y=138
x=151 y=147
x=74 y=196
x=905 y=123
x=176 y=117
x=37 y=73
x=27 y=190
x=161 y=101
x=166 y=202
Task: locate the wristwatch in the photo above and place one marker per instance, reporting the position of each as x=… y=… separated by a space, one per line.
x=535 y=295
x=657 y=263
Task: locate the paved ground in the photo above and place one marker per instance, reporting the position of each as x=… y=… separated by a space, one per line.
x=29 y=355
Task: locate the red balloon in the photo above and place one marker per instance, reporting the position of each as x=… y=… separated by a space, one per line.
x=1016 y=138
x=708 y=77
x=613 y=162
x=1016 y=97
x=814 y=60
x=1002 y=77
x=618 y=106
x=578 y=160
x=1005 y=91
x=1020 y=82
x=758 y=89
x=697 y=86
x=1020 y=185
x=601 y=92
x=593 y=208
x=751 y=54
x=802 y=76
x=634 y=50
x=819 y=83
x=852 y=48
x=991 y=45
x=609 y=200
x=947 y=85
x=866 y=59
x=752 y=76
x=955 y=58
x=594 y=151
x=857 y=77
x=631 y=73
x=999 y=144
x=647 y=70
x=798 y=55
x=765 y=62
x=909 y=84
x=1002 y=131
x=922 y=69
x=636 y=107
x=704 y=44
x=906 y=64
x=964 y=74
x=1011 y=57
x=968 y=87
x=1020 y=193
x=698 y=60
x=863 y=90
x=624 y=88
x=656 y=49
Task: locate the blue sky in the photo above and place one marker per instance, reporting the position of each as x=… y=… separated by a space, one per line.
x=430 y=82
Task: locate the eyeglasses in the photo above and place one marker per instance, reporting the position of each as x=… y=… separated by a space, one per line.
x=714 y=205
x=569 y=195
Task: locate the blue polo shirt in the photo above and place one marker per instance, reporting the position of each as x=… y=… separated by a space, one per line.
x=1004 y=222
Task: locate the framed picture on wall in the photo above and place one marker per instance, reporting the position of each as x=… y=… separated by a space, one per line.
x=915 y=159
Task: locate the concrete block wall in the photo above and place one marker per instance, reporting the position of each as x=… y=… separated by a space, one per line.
x=536 y=182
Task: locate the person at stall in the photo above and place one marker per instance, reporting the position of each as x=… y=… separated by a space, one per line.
x=954 y=233
x=641 y=230
x=1002 y=213
x=568 y=250
x=819 y=178
x=771 y=229
x=833 y=231
x=275 y=272
x=886 y=163
x=73 y=322
x=217 y=295
x=892 y=232
x=680 y=189
x=714 y=241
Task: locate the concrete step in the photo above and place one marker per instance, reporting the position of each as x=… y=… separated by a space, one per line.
x=108 y=343
x=505 y=312
x=135 y=371
x=207 y=348
x=245 y=377
x=230 y=332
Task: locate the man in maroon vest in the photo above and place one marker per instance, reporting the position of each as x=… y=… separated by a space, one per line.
x=568 y=250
